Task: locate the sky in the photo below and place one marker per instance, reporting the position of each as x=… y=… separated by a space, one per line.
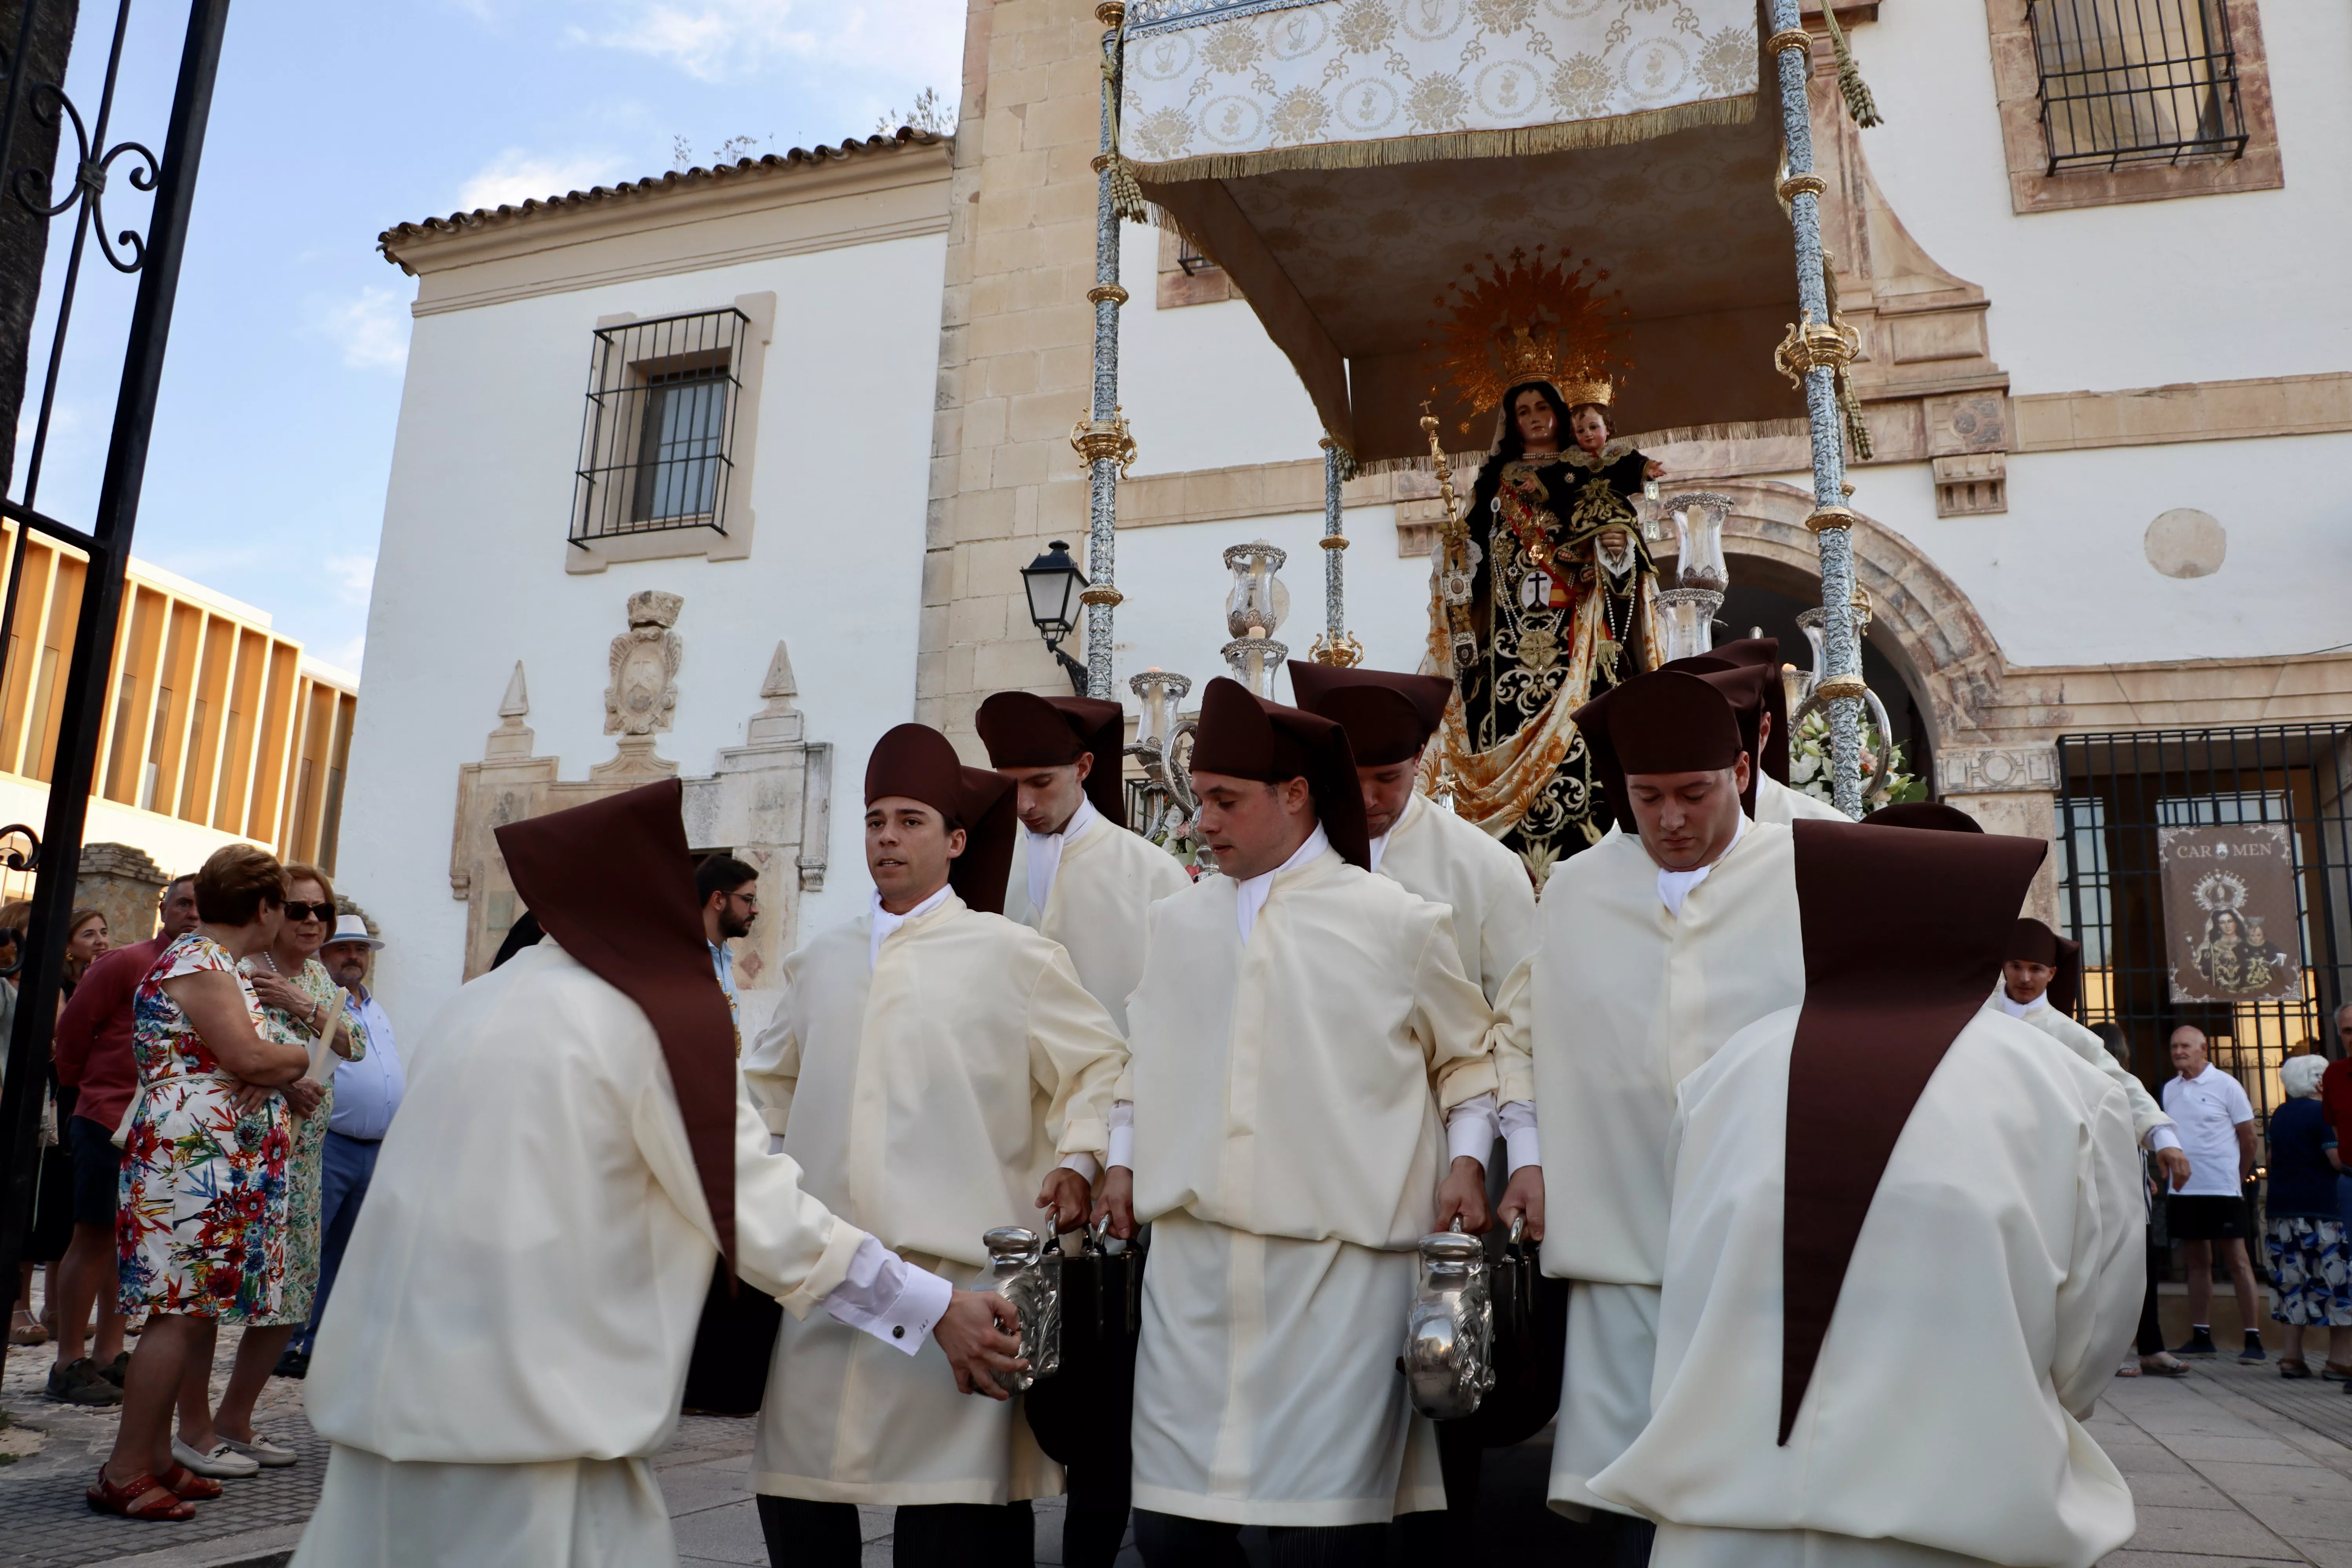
x=330 y=122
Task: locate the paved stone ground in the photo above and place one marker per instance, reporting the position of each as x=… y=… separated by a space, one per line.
x=2233 y=1466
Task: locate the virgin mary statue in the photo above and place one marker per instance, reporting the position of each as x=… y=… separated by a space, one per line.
x=1546 y=596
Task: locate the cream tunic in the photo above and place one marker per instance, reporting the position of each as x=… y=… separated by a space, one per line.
x=520 y=1295
x=1776 y=802
x=1624 y=1000
x=1435 y=855
x=1995 y=1280
x=2146 y=1115
x=1107 y=878
x=1287 y=1093
x=928 y=1096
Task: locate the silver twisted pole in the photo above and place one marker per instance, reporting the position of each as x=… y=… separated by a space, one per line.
x=1816 y=346
x=1335 y=545
x=1104 y=434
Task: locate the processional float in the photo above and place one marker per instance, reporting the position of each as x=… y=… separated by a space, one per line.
x=1347 y=161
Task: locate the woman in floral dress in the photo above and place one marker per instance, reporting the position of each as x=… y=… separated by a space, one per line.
x=301 y=1005
x=203 y=1215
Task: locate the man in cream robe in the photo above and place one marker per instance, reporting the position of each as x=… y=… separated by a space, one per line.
x=518 y=1303
x=1300 y=1031
x=1747 y=673
x=929 y=1067
x=1080 y=879
x=1656 y=945
x=2043 y=971
x=1078 y=876
x=1905 y=1250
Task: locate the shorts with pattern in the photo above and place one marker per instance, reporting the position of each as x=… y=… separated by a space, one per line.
x=2311 y=1272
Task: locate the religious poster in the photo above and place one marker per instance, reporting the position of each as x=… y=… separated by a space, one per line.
x=2231 y=931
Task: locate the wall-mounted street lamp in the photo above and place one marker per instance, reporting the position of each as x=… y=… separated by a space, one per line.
x=1053 y=581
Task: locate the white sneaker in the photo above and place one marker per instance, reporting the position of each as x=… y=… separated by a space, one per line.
x=221 y=1462
x=262 y=1451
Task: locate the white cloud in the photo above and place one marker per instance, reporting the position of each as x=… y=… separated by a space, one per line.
x=918 y=42
x=354 y=576
x=516 y=176
x=372 y=329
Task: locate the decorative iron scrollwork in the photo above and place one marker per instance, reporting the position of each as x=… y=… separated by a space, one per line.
x=90 y=174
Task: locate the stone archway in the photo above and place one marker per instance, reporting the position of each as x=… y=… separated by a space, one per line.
x=1919 y=619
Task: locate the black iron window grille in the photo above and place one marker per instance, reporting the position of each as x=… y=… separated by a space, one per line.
x=2119 y=789
x=657 y=443
x=2135 y=82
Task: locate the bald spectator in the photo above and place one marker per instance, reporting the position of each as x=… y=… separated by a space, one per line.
x=2217 y=1132
x=93 y=1052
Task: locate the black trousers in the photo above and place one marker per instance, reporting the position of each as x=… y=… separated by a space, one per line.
x=1094 y=1525
x=803 y=1534
x=2151 y=1332
x=1172 y=1540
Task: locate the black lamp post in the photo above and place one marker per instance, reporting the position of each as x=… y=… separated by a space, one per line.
x=1052 y=581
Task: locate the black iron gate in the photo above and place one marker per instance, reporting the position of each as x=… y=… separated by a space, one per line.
x=2117 y=791
x=83 y=168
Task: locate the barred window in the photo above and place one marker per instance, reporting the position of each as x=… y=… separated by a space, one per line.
x=657 y=445
x=2132 y=82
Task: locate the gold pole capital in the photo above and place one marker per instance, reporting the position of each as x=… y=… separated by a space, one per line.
x=1796 y=186
x=1780 y=43
x=1828 y=517
x=1839 y=687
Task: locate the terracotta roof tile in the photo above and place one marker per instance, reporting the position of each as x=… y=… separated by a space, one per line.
x=401 y=234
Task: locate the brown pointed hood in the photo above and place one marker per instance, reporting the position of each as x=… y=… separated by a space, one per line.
x=1743 y=686
x=613 y=882
x=1022 y=729
x=1667 y=722
x=2034 y=942
x=1249 y=737
x=1890 y=980
x=918 y=762
x=1764 y=653
x=1389 y=716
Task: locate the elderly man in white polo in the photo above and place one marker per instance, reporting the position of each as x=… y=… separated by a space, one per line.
x=367 y=1092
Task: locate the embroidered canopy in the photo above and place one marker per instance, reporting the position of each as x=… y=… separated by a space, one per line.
x=1344 y=160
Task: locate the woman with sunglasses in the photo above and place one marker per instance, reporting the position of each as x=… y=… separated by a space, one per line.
x=301 y=1005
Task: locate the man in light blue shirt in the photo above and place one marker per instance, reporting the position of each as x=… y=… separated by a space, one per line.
x=367 y=1093
x=730 y=902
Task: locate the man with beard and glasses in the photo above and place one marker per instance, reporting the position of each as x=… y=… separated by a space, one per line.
x=730 y=902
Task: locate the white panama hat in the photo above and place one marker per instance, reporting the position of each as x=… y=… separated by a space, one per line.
x=352 y=929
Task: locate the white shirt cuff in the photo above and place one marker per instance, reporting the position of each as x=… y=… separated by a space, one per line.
x=1519 y=1136
x=889 y=1298
x=2163 y=1135
x=1470 y=1130
x=1122 y=1134
x=1084 y=1165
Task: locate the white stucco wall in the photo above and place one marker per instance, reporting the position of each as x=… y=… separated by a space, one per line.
x=2198 y=289
x=470 y=576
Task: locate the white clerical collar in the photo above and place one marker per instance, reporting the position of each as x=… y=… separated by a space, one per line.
x=1380 y=846
x=1046 y=851
x=1674 y=887
x=1250 y=893
x=2020 y=1009
x=885 y=923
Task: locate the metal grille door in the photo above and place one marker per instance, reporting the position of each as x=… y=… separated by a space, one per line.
x=2116 y=791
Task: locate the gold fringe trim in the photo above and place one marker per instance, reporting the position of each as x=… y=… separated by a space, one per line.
x=1732 y=430
x=1464 y=464
x=1617 y=131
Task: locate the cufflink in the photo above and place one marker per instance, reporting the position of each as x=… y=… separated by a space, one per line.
x=899 y=1331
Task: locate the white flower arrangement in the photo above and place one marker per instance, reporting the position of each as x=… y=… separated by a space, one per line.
x=1809 y=763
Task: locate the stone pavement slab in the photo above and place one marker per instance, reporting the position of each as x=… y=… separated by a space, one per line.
x=2233 y=1467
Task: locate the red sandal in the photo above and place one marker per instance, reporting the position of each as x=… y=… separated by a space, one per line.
x=185 y=1484
x=141 y=1496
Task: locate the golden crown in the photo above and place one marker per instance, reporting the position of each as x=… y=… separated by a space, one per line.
x=1529 y=320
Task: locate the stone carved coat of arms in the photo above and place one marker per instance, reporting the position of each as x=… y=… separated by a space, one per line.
x=643 y=691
